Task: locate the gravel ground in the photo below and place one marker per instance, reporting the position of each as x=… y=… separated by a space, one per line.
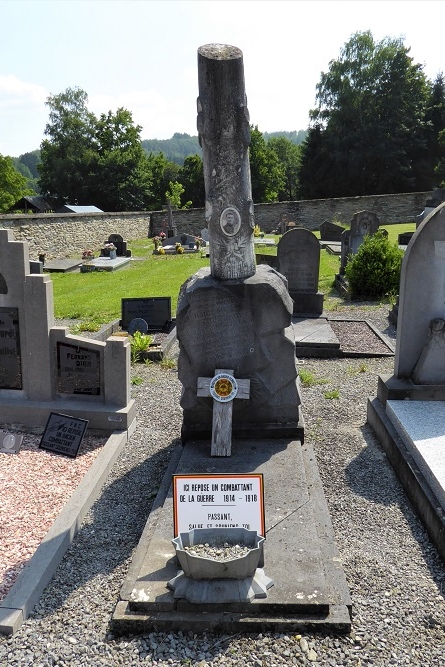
x=396 y=579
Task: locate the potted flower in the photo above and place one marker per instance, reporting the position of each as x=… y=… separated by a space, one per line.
x=198 y=242
x=179 y=249
x=109 y=250
x=87 y=255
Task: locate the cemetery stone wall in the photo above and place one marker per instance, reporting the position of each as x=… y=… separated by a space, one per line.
x=62 y=235
x=67 y=235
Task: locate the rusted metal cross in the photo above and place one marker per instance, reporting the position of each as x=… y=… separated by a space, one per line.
x=223 y=388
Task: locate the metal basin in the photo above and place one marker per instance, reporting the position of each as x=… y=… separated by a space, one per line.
x=197 y=567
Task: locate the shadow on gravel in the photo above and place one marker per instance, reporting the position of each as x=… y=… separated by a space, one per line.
x=371 y=476
x=111 y=531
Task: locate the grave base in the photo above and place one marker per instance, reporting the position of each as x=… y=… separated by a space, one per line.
x=421 y=479
x=307 y=303
x=99 y=416
x=310 y=590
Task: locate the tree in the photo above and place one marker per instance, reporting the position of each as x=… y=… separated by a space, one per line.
x=89 y=160
x=267 y=173
x=191 y=176
x=31 y=160
x=174 y=194
x=289 y=156
x=163 y=171
x=66 y=155
x=120 y=178
x=368 y=130
x=13 y=185
x=435 y=129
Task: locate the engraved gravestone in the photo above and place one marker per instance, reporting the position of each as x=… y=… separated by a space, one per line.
x=422 y=304
x=63 y=434
x=43 y=366
x=78 y=370
x=234 y=315
x=298 y=255
x=345 y=250
x=330 y=231
x=363 y=223
x=156 y=311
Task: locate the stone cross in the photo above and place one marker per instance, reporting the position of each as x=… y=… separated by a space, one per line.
x=224 y=389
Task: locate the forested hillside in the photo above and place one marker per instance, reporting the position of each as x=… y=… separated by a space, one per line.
x=181 y=146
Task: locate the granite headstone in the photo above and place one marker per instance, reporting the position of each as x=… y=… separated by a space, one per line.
x=298 y=255
x=156 y=311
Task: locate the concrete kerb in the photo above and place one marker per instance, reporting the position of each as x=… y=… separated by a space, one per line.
x=25 y=593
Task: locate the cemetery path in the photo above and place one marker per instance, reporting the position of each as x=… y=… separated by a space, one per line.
x=396 y=579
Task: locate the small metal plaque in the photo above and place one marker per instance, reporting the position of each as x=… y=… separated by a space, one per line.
x=223 y=387
x=10 y=358
x=63 y=434
x=137 y=324
x=78 y=370
x=10 y=443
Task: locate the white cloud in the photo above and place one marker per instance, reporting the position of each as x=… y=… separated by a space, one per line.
x=17 y=93
x=158 y=117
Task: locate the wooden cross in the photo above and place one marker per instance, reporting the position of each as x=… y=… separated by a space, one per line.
x=219 y=388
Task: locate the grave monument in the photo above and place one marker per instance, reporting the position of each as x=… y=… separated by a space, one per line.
x=363 y=223
x=408 y=414
x=43 y=368
x=298 y=256
x=238 y=368
x=234 y=315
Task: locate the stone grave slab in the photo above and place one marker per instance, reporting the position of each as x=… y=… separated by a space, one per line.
x=300 y=555
x=332 y=248
x=105 y=264
x=315 y=333
x=416 y=479
x=265 y=242
x=62 y=265
x=421 y=424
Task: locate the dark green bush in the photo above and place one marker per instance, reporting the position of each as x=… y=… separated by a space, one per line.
x=374 y=271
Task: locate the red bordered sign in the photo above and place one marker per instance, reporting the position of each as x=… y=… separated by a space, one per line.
x=218 y=501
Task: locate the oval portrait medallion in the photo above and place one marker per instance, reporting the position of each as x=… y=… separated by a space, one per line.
x=230 y=221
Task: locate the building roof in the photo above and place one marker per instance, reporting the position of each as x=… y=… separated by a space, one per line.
x=69 y=208
x=36 y=204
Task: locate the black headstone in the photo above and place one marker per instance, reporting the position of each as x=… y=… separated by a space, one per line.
x=10 y=357
x=156 y=311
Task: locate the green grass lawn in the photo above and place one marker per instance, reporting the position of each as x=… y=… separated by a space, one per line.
x=95 y=297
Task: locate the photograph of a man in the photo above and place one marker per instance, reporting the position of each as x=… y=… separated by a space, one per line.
x=230 y=221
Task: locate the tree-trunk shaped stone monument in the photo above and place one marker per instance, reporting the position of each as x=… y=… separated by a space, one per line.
x=238 y=368
x=235 y=315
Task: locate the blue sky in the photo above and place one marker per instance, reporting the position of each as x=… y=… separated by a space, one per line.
x=142 y=55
